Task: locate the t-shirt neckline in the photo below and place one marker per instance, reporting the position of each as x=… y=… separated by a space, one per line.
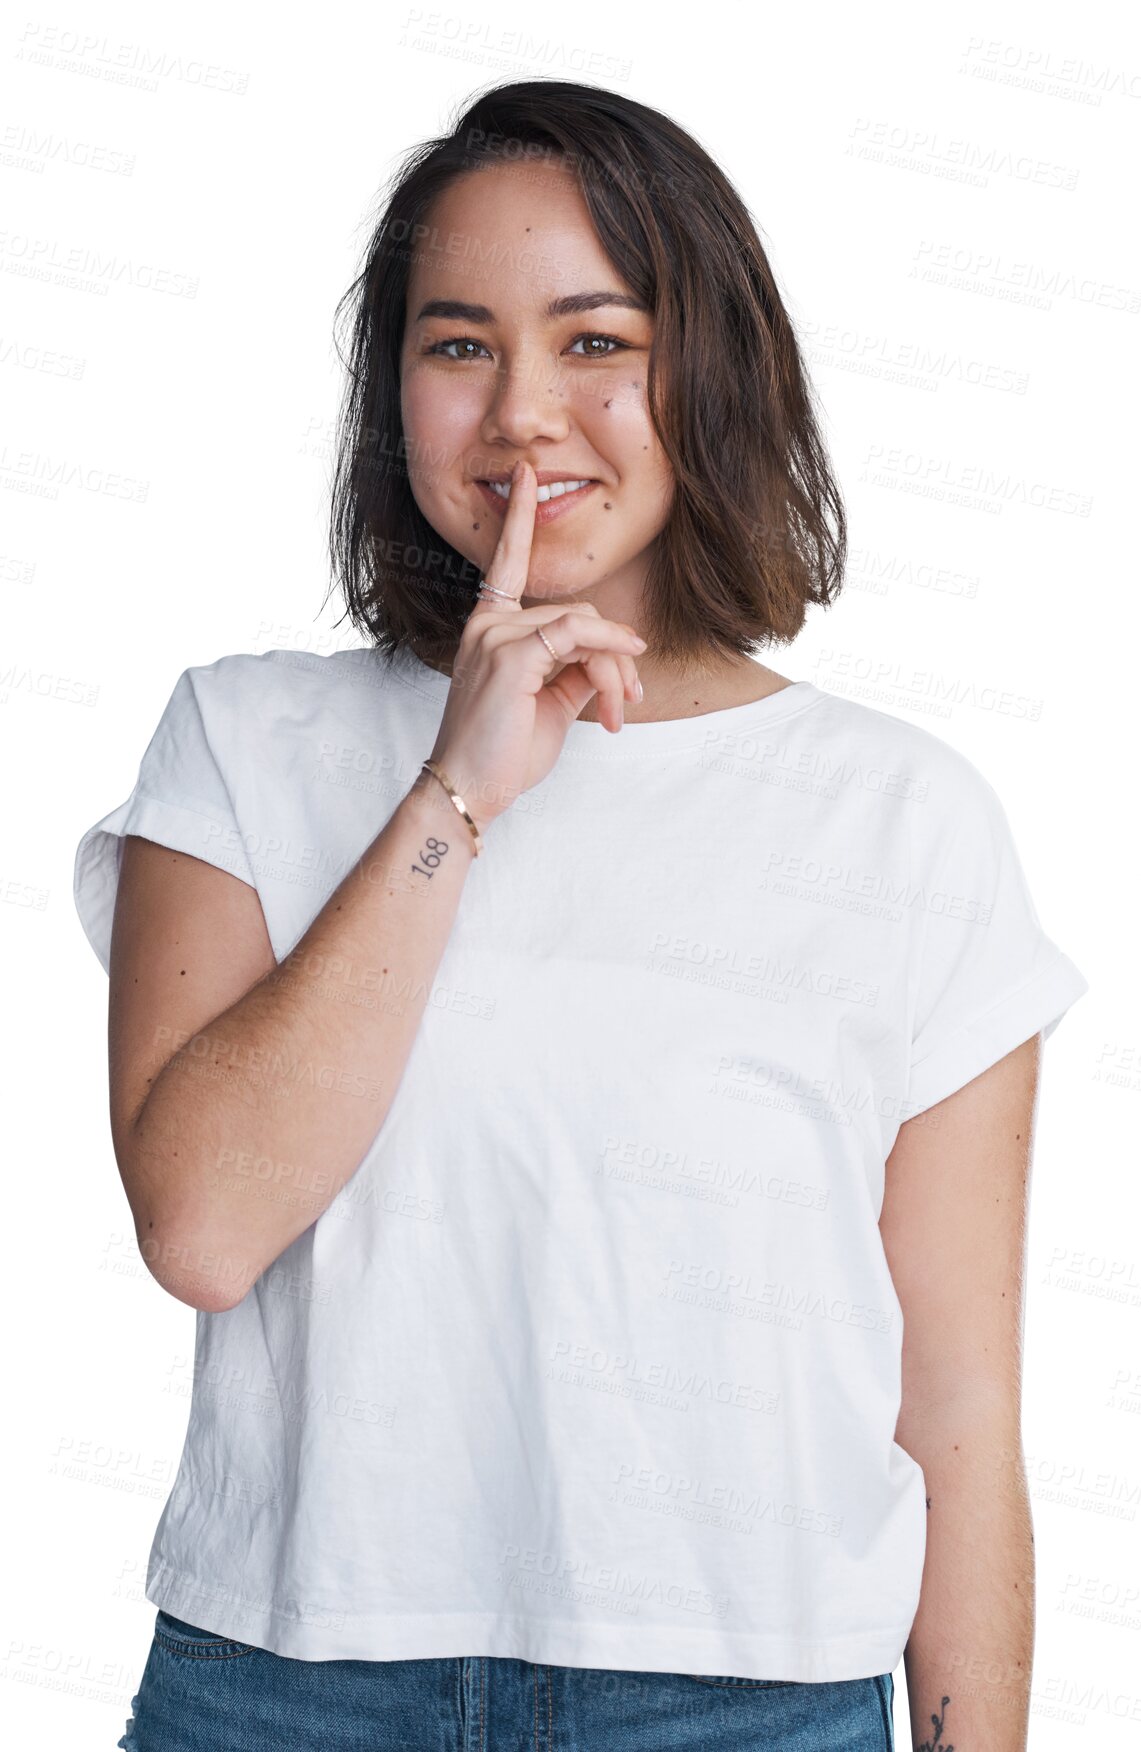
x=595 y=742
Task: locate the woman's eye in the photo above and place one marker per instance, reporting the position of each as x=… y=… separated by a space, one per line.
x=456 y=341
x=611 y=342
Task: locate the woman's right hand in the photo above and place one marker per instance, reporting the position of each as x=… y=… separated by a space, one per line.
x=510 y=705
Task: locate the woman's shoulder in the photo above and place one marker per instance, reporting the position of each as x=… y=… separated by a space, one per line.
x=901 y=755
x=282 y=686
x=284 y=670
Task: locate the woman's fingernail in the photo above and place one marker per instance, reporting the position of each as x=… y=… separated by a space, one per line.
x=638 y=688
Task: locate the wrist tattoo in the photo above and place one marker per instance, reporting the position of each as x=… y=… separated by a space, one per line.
x=432 y=857
x=936 y=1743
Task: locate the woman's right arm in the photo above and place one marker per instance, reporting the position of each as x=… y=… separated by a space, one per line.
x=245 y=1093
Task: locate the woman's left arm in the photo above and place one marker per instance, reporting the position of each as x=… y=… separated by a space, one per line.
x=954 y=1226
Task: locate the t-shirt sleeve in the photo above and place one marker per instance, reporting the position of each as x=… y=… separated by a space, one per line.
x=989 y=977
x=181 y=799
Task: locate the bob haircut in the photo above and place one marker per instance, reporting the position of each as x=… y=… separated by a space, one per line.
x=756 y=530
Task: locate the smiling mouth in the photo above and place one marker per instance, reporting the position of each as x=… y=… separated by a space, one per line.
x=556 y=500
x=556 y=489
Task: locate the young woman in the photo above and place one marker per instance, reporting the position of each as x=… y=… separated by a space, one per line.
x=582 y=1078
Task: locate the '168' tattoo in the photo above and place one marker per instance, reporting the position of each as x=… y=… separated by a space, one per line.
x=433 y=857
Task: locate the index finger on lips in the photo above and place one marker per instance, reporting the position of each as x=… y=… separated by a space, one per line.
x=511 y=562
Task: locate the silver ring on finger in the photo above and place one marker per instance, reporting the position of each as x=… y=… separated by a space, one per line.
x=548 y=644
x=486 y=589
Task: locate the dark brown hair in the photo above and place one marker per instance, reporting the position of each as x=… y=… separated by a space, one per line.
x=756 y=530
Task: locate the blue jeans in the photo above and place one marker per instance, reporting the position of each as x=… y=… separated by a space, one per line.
x=202 y=1693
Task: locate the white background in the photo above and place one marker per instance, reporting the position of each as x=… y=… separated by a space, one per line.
x=186 y=193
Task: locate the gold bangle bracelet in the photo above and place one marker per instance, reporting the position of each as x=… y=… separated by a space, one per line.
x=437 y=772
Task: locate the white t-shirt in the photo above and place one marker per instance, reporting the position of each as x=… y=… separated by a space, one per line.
x=595 y=1359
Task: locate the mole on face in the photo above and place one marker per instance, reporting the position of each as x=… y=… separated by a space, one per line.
x=590 y=556
x=475 y=525
x=607 y=505
x=606 y=404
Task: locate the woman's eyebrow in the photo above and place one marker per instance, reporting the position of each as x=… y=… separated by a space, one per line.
x=572 y=305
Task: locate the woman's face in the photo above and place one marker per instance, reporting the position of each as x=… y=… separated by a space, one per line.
x=489 y=375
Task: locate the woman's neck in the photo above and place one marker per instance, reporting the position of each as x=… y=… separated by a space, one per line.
x=690 y=695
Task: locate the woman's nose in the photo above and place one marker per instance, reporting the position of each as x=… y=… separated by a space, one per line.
x=530 y=399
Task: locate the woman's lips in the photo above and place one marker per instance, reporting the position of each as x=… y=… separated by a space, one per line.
x=547 y=509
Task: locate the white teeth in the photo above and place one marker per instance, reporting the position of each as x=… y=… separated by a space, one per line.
x=554 y=491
